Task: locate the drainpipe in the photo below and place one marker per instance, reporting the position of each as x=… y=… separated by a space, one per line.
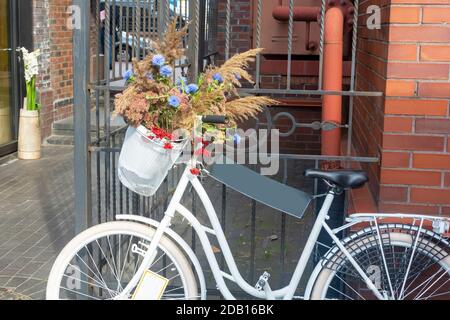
x=308 y=14
x=332 y=75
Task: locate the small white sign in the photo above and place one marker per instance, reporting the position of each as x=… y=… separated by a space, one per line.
x=151 y=287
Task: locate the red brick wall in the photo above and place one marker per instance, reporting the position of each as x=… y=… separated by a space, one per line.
x=51 y=35
x=409 y=60
x=372 y=56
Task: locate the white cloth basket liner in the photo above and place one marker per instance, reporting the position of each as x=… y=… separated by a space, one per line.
x=143 y=163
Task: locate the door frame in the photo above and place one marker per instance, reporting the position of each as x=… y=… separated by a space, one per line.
x=20 y=21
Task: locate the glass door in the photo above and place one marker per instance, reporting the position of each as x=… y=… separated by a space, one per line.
x=6 y=109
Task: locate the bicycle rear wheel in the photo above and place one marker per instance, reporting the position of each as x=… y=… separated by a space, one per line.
x=403 y=264
x=99 y=263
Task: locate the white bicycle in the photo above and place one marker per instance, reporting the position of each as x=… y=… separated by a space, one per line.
x=143 y=259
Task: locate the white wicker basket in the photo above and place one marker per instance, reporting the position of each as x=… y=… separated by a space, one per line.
x=144 y=163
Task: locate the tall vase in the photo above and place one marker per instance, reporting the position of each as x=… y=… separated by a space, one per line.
x=29 y=135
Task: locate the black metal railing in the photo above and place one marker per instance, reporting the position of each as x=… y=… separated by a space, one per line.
x=262 y=239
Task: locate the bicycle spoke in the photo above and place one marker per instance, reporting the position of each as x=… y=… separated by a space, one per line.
x=433 y=293
x=345 y=282
x=112 y=257
x=88 y=283
x=126 y=257
x=83 y=273
x=98 y=279
x=79 y=293
x=403 y=264
x=105 y=264
x=165 y=268
x=424 y=290
x=438 y=295
x=420 y=285
x=106 y=258
x=380 y=241
x=331 y=287
x=411 y=259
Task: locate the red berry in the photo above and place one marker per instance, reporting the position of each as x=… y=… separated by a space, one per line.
x=168 y=146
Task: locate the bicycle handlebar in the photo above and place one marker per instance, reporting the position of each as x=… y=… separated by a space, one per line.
x=215 y=119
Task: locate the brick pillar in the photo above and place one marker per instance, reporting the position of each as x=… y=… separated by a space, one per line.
x=410 y=60
x=54 y=39
x=416 y=154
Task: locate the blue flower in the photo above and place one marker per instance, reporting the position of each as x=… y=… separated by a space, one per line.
x=192 y=88
x=218 y=77
x=174 y=101
x=238 y=76
x=159 y=60
x=237 y=139
x=166 y=71
x=128 y=75
x=181 y=81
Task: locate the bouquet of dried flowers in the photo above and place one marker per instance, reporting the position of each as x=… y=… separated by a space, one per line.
x=154 y=100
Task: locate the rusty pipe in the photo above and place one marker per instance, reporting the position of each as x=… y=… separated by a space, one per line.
x=309 y=14
x=332 y=75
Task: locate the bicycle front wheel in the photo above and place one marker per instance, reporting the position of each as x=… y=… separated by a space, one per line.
x=100 y=262
x=401 y=265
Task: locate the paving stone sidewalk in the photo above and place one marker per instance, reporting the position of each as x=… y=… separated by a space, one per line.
x=36 y=220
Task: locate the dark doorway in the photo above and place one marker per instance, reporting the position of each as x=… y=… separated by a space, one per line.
x=16 y=18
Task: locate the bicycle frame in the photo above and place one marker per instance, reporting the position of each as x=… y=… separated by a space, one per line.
x=286 y=293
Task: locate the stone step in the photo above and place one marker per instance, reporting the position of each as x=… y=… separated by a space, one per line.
x=60 y=140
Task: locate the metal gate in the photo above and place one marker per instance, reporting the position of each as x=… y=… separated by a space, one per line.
x=122 y=29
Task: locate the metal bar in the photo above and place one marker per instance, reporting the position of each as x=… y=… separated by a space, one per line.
x=284 y=156
x=146 y=25
x=116 y=88
x=161 y=18
x=258 y=44
x=283 y=227
x=112 y=133
x=194 y=12
x=138 y=29
x=228 y=30
x=113 y=173
x=120 y=59
x=253 y=243
x=321 y=44
x=133 y=29
x=113 y=40
x=353 y=78
x=97 y=108
x=106 y=107
x=194 y=213
x=82 y=112
x=283 y=247
x=202 y=36
x=313 y=92
x=127 y=45
x=290 y=39
x=224 y=216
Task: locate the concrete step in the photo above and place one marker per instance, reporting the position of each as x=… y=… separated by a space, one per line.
x=66 y=126
x=60 y=140
x=63 y=130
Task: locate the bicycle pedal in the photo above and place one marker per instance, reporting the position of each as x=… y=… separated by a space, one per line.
x=262 y=282
x=139 y=250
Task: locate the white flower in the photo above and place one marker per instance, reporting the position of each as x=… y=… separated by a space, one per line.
x=31 y=64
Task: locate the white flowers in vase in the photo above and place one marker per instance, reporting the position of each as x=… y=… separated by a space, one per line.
x=31 y=66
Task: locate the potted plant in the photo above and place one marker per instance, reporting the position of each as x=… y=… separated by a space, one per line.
x=29 y=122
x=160 y=111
